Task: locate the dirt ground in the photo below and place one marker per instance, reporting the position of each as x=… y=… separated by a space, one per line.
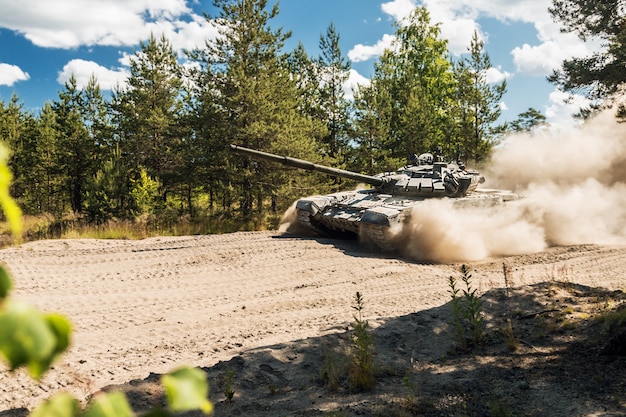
x=268 y=317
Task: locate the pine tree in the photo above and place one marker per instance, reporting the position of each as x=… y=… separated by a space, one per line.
x=77 y=155
x=306 y=72
x=258 y=102
x=601 y=76
x=370 y=121
x=97 y=117
x=528 y=121
x=413 y=88
x=107 y=194
x=477 y=106
x=334 y=71
x=16 y=134
x=47 y=193
x=147 y=111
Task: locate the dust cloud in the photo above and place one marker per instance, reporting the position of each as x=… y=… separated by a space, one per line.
x=573 y=183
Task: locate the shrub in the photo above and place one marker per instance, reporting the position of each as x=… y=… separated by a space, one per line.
x=361 y=364
x=467 y=312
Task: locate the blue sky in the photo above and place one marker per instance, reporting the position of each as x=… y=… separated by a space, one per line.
x=42 y=42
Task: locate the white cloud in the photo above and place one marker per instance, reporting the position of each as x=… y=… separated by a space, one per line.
x=562 y=106
x=504 y=10
x=10 y=74
x=496 y=75
x=459 y=21
x=549 y=55
x=362 y=52
x=459 y=33
x=83 y=70
x=74 y=23
x=457 y=28
x=192 y=34
x=538 y=60
x=353 y=82
x=398 y=9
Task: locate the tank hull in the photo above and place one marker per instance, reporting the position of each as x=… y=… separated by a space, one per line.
x=371 y=215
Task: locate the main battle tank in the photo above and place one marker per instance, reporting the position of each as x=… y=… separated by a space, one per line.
x=371 y=213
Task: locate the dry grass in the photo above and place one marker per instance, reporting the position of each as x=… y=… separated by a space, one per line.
x=74 y=227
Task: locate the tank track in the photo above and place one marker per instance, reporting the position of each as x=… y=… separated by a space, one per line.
x=376 y=235
x=304 y=219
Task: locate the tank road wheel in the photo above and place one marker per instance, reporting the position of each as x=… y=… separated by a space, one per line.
x=376 y=235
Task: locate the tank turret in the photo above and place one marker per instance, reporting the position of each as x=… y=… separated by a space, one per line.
x=426 y=178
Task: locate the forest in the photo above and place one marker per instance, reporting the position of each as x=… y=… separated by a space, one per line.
x=156 y=149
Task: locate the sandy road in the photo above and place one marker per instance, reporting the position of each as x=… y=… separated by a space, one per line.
x=147 y=306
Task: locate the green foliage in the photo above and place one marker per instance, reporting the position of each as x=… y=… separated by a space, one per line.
x=361 y=365
x=9 y=207
x=113 y=194
x=262 y=107
x=30 y=338
x=5 y=284
x=60 y=405
x=528 y=121
x=149 y=110
x=406 y=109
x=114 y=404
x=467 y=313
x=145 y=191
x=333 y=106
x=107 y=194
x=27 y=337
x=229 y=390
x=77 y=162
x=334 y=368
x=599 y=75
x=45 y=176
x=412 y=399
x=457 y=314
x=187 y=390
x=477 y=106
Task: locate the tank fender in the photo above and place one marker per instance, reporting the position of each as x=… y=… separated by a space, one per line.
x=383 y=216
x=314 y=205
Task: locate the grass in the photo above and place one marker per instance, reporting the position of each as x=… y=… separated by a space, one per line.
x=352 y=364
x=333 y=368
x=467 y=315
x=361 y=364
x=229 y=390
x=74 y=227
x=412 y=400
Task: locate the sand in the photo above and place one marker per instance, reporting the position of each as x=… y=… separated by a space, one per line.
x=267 y=307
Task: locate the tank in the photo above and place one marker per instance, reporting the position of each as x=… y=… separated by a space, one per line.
x=371 y=213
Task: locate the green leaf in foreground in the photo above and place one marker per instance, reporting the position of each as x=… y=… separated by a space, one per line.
x=30 y=338
x=61 y=405
x=110 y=405
x=8 y=205
x=5 y=283
x=62 y=329
x=187 y=389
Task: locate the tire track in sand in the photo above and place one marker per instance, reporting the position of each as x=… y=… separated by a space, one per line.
x=151 y=305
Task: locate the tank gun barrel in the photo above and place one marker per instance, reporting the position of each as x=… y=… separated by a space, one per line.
x=309 y=166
